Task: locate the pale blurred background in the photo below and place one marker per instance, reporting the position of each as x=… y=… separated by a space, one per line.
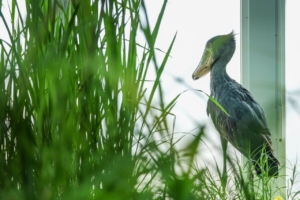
x=197 y=21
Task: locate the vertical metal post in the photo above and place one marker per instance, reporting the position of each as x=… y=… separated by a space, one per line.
x=263 y=67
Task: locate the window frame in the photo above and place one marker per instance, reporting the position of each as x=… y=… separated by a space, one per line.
x=263 y=68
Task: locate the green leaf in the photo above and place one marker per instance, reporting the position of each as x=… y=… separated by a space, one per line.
x=215 y=102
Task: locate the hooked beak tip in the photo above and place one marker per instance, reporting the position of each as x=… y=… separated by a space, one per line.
x=195 y=77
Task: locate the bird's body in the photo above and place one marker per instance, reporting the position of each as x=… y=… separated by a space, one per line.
x=245 y=125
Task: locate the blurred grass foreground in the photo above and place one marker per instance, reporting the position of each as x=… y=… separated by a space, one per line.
x=76 y=118
x=75 y=122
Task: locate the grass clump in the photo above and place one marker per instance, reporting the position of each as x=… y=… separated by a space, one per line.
x=72 y=82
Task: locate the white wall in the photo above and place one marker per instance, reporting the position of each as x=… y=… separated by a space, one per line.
x=292 y=34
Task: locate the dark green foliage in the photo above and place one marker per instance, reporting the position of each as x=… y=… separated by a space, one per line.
x=72 y=96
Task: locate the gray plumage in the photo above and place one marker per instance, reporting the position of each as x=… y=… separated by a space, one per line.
x=246 y=126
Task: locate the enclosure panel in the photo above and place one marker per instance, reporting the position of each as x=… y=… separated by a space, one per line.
x=263 y=64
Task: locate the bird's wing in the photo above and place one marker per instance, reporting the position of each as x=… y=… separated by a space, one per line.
x=246 y=121
x=240 y=104
x=242 y=107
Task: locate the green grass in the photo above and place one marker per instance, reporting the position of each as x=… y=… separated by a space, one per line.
x=77 y=120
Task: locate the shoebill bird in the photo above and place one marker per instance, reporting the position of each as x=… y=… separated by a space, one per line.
x=244 y=125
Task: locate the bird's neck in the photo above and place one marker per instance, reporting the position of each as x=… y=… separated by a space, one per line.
x=218 y=76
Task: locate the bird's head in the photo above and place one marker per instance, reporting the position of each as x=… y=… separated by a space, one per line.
x=221 y=46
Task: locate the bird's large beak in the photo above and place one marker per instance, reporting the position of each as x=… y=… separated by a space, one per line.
x=204 y=65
